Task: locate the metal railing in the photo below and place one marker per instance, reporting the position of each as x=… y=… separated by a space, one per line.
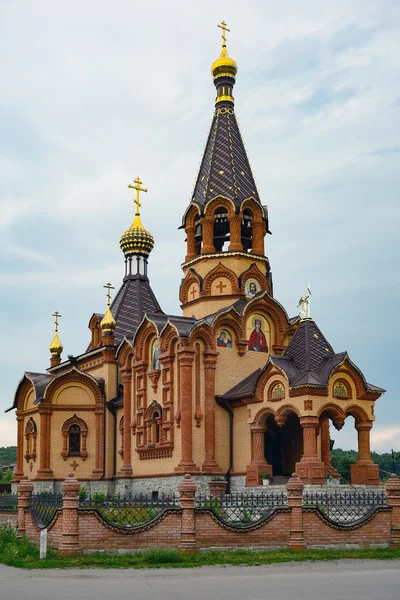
x=243 y=510
x=43 y=508
x=346 y=508
x=8 y=501
x=128 y=512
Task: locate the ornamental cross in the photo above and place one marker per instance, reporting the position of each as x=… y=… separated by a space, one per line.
x=109 y=287
x=224 y=28
x=56 y=316
x=138 y=189
x=304 y=304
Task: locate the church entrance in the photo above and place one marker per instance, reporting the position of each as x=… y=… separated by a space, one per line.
x=283 y=446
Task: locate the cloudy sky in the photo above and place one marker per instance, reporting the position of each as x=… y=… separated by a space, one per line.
x=93 y=94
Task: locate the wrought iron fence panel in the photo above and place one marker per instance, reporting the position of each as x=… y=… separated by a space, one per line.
x=346 y=508
x=243 y=510
x=43 y=508
x=8 y=501
x=128 y=512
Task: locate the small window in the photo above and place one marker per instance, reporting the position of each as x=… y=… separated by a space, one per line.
x=74 y=435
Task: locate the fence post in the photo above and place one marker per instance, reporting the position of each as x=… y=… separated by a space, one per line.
x=295 y=488
x=70 y=520
x=393 y=493
x=24 y=490
x=187 y=492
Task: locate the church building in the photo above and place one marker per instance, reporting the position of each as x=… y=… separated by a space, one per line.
x=232 y=387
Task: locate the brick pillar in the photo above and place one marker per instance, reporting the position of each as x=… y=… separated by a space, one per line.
x=393 y=492
x=70 y=519
x=364 y=471
x=126 y=376
x=258 y=232
x=191 y=243
x=210 y=361
x=186 y=359
x=310 y=469
x=325 y=442
x=258 y=463
x=19 y=472
x=208 y=235
x=44 y=471
x=24 y=490
x=295 y=488
x=235 y=228
x=187 y=492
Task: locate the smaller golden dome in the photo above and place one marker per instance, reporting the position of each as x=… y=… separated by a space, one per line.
x=136 y=239
x=108 y=322
x=56 y=346
x=224 y=65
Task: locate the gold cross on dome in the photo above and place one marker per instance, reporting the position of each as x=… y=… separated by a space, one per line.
x=224 y=28
x=109 y=287
x=56 y=316
x=138 y=189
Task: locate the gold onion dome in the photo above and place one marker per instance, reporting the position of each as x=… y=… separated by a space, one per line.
x=108 y=322
x=136 y=239
x=56 y=347
x=224 y=66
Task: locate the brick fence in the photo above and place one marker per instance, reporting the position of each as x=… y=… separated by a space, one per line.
x=74 y=530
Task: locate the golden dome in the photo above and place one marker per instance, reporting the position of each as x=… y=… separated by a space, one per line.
x=56 y=346
x=136 y=239
x=108 y=322
x=224 y=65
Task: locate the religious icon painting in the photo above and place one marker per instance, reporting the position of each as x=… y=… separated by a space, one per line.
x=155 y=353
x=224 y=339
x=258 y=334
x=251 y=288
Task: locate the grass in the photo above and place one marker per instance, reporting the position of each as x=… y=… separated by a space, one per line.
x=21 y=553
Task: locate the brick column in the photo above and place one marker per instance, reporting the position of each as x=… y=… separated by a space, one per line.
x=191 y=243
x=186 y=359
x=235 y=227
x=257 y=230
x=98 y=471
x=187 y=492
x=325 y=442
x=208 y=235
x=210 y=362
x=70 y=522
x=126 y=376
x=24 y=491
x=258 y=463
x=19 y=472
x=364 y=471
x=310 y=469
x=295 y=488
x=44 y=471
x=393 y=493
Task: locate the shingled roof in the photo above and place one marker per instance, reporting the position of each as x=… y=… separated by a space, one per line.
x=309 y=360
x=225 y=169
x=133 y=300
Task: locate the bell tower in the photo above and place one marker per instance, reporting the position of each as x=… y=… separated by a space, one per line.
x=225 y=222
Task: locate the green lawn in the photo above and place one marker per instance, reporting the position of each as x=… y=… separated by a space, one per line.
x=21 y=553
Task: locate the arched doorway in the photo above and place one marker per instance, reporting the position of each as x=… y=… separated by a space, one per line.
x=283 y=445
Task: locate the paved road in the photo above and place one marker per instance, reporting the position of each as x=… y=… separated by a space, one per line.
x=339 y=580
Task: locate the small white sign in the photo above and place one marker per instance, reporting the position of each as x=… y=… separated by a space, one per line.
x=43 y=543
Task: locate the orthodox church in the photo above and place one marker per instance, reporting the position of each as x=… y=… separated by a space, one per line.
x=232 y=387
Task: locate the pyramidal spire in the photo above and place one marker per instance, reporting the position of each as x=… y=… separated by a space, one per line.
x=224 y=169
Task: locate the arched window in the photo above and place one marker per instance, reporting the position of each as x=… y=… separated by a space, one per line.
x=198 y=234
x=74 y=433
x=156 y=427
x=221 y=229
x=246 y=232
x=30 y=437
x=74 y=440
